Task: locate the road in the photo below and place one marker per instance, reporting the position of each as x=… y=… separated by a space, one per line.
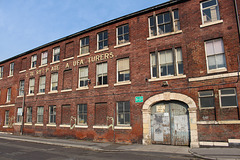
x=17 y=150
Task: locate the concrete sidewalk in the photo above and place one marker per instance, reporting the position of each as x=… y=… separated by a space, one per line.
x=204 y=153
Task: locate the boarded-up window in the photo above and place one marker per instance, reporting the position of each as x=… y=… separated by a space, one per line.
x=67 y=79
x=69 y=52
x=66 y=114
x=24 y=64
x=101 y=114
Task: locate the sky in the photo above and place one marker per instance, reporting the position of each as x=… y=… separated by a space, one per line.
x=27 y=24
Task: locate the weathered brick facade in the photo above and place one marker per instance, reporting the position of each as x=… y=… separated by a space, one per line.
x=216 y=124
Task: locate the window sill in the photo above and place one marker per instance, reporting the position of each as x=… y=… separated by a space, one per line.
x=39 y=125
x=5 y=127
x=123 y=127
x=9 y=105
x=122 y=83
x=28 y=124
x=82 y=55
x=167 y=78
x=55 y=62
x=18 y=124
x=32 y=68
x=122 y=45
x=226 y=75
x=0 y=78
x=164 y=35
x=100 y=127
x=64 y=126
x=67 y=90
x=40 y=94
x=10 y=76
x=211 y=23
x=228 y=107
x=30 y=95
x=52 y=92
x=82 y=88
x=217 y=70
x=101 y=86
x=44 y=65
x=102 y=50
x=51 y=125
x=68 y=59
x=22 y=71
x=219 y=122
x=81 y=126
x=19 y=96
x=201 y=108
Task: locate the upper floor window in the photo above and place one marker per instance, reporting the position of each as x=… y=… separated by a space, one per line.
x=83 y=76
x=123 y=34
x=102 y=74
x=34 y=61
x=56 y=54
x=206 y=99
x=54 y=82
x=31 y=85
x=21 y=88
x=215 y=54
x=102 y=40
x=84 y=42
x=123 y=111
x=11 y=69
x=82 y=114
x=9 y=92
x=164 y=23
x=1 y=72
x=42 y=82
x=228 y=97
x=44 y=58
x=123 y=70
x=210 y=11
x=167 y=63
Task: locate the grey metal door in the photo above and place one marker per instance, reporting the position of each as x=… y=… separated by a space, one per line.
x=170 y=123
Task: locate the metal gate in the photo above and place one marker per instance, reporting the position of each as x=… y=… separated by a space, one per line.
x=170 y=123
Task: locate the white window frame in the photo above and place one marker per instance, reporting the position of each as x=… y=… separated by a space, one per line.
x=123 y=35
x=85 y=45
x=55 y=53
x=101 y=74
x=11 y=70
x=6 y=120
x=34 y=61
x=31 y=85
x=42 y=84
x=40 y=114
x=229 y=95
x=83 y=113
x=19 y=115
x=9 y=92
x=54 y=82
x=29 y=115
x=212 y=96
x=118 y=71
x=1 y=71
x=217 y=7
x=44 y=58
x=103 y=40
x=125 y=124
x=83 y=78
x=52 y=114
x=21 y=88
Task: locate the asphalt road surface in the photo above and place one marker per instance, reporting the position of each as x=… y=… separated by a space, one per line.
x=17 y=150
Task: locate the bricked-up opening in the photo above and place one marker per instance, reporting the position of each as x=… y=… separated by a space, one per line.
x=101 y=114
x=24 y=64
x=67 y=79
x=69 y=51
x=66 y=114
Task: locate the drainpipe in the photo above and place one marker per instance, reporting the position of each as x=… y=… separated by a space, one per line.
x=237 y=17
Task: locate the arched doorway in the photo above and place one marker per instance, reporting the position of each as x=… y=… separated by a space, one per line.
x=166 y=97
x=170 y=123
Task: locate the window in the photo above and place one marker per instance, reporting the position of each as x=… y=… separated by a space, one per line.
x=9 y=94
x=123 y=34
x=40 y=111
x=215 y=54
x=164 y=23
x=19 y=115
x=11 y=69
x=102 y=40
x=29 y=114
x=167 y=63
x=82 y=114
x=101 y=73
x=1 y=72
x=54 y=81
x=42 y=81
x=21 y=88
x=66 y=114
x=56 y=54
x=34 y=61
x=44 y=58
x=123 y=109
x=123 y=70
x=31 y=85
x=228 y=97
x=6 y=118
x=83 y=76
x=210 y=11
x=206 y=99
x=84 y=44
x=52 y=114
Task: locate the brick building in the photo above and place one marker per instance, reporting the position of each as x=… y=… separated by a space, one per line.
x=167 y=74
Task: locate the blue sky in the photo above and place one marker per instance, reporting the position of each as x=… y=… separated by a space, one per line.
x=27 y=24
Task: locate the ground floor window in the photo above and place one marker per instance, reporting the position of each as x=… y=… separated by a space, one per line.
x=206 y=99
x=40 y=114
x=228 y=97
x=52 y=114
x=29 y=114
x=82 y=114
x=123 y=111
x=19 y=115
x=6 y=118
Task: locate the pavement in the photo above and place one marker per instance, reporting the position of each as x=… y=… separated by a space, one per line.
x=203 y=153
